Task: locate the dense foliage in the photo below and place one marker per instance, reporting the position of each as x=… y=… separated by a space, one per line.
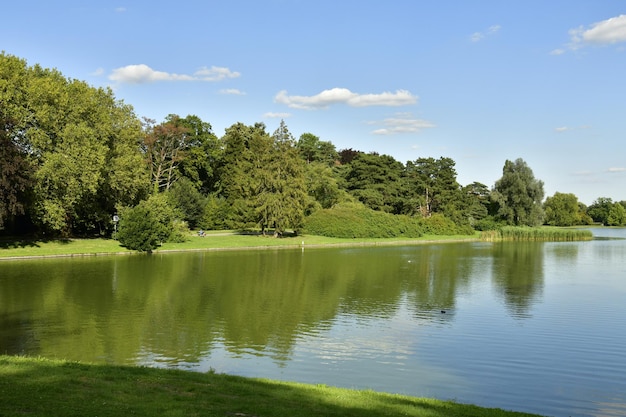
x=72 y=157
x=354 y=220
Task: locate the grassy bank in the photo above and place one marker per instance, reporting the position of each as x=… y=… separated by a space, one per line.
x=212 y=241
x=40 y=387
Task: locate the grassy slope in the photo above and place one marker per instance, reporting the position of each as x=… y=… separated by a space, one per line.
x=40 y=387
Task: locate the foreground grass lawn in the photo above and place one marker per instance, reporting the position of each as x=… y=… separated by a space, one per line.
x=216 y=240
x=40 y=387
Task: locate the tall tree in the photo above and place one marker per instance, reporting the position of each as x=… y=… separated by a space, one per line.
x=81 y=143
x=563 y=210
x=165 y=146
x=375 y=180
x=312 y=149
x=609 y=213
x=202 y=153
x=15 y=174
x=519 y=195
x=244 y=150
x=281 y=198
x=15 y=167
x=432 y=186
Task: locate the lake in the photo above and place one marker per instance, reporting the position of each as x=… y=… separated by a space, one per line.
x=535 y=327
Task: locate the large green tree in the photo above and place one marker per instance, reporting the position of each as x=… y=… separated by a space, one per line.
x=564 y=210
x=80 y=142
x=375 y=180
x=202 y=152
x=312 y=149
x=262 y=177
x=432 y=187
x=281 y=198
x=609 y=213
x=519 y=195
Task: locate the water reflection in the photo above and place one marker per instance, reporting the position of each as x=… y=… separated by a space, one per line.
x=518 y=275
x=179 y=306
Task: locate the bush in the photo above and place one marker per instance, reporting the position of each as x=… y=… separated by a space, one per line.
x=438 y=224
x=146 y=226
x=354 y=220
x=139 y=229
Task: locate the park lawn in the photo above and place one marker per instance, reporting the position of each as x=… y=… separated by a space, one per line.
x=42 y=387
x=212 y=241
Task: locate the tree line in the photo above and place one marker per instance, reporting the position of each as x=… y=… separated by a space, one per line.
x=72 y=156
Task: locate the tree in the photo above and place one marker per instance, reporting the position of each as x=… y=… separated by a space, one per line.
x=16 y=169
x=185 y=197
x=245 y=148
x=432 y=187
x=164 y=146
x=617 y=215
x=15 y=174
x=609 y=213
x=312 y=149
x=202 y=152
x=562 y=210
x=281 y=198
x=477 y=199
x=375 y=180
x=149 y=224
x=262 y=178
x=322 y=186
x=519 y=195
x=70 y=152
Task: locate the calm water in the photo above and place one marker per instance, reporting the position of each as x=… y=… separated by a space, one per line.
x=530 y=327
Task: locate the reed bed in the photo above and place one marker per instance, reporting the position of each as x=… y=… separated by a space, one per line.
x=535 y=234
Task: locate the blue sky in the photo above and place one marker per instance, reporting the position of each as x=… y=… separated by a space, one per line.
x=477 y=81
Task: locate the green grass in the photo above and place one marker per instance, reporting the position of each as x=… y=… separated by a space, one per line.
x=41 y=387
x=212 y=241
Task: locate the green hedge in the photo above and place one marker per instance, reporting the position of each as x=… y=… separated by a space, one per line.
x=353 y=220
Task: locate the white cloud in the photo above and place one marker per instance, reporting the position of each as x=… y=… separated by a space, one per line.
x=345 y=96
x=605 y=32
x=232 y=91
x=215 y=74
x=615 y=170
x=401 y=123
x=98 y=72
x=479 y=36
x=141 y=73
x=120 y=9
x=567 y=128
x=271 y=115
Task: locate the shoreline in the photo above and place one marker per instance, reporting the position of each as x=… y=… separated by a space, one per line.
x=303 y=245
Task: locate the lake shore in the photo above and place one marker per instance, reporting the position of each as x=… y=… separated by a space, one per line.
x=37 y=386
x=217 y=241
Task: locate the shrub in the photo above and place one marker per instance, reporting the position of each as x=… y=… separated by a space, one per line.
x=146 y=226
x=438 y=224
x=354 y=220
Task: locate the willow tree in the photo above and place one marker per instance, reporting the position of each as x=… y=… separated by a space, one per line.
x=519 y=195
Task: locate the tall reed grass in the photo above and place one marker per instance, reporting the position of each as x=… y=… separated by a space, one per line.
x=535 y=234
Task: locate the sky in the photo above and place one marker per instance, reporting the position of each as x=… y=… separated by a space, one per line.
x=480 y=82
